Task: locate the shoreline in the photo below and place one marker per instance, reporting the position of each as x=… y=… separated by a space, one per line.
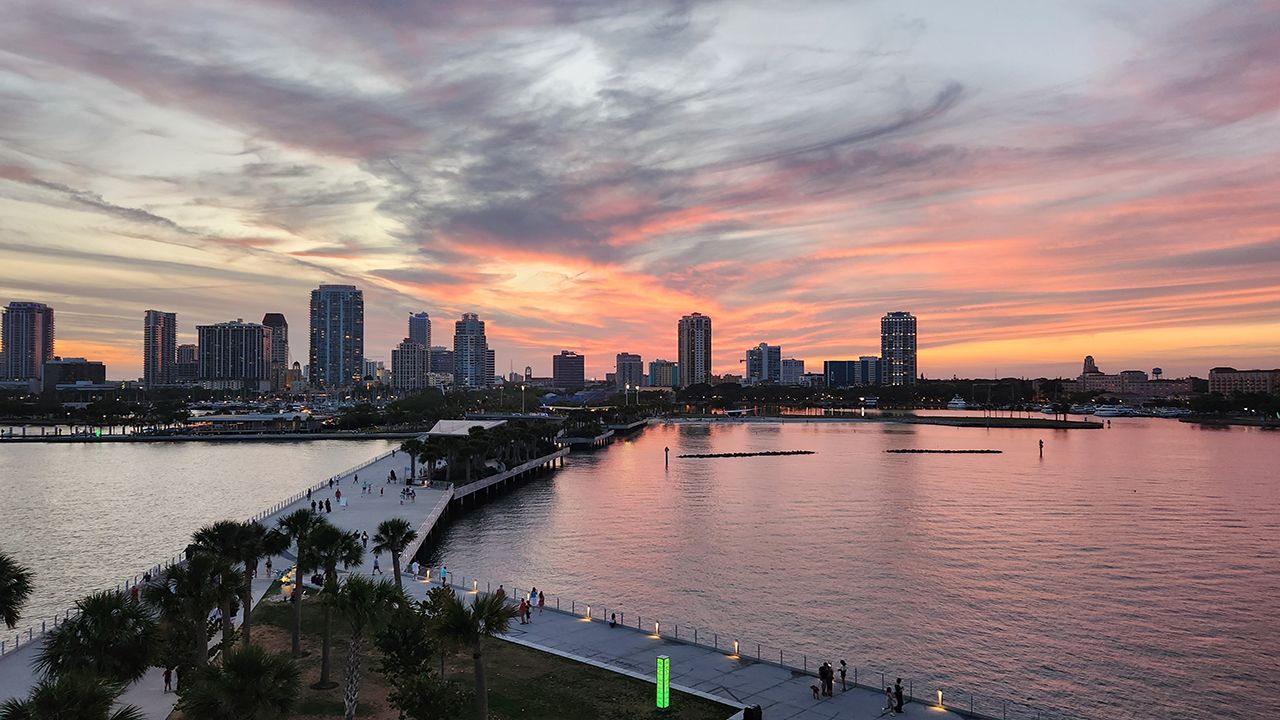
x=965 y=421
x=236 y=437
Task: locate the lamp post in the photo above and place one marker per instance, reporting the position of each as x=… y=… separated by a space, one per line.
x=522 y=399
x=626 y=394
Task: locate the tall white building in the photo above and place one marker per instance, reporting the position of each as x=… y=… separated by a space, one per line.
x=159 y=348
x=898 y=348
x=694 y=345
x=409 y=361
x=26 y=332
x=472 y=359
x=764 y=364
x=792 y=371
x=628 y=370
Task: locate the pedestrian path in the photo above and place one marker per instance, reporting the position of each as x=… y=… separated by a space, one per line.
x=783 y=693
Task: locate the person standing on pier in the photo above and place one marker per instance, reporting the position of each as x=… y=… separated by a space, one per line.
x=308 y=494
x=444 y=576
x=364 y=538
x=889 y=702
x=897 y=695
x=542 y=601
x=337 y=494
x=844 y=670
x=327 y=507
x=376 y=570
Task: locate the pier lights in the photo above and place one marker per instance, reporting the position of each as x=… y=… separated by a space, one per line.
x=735 y=648
x=475 y=586
x=940 y=699
x=587 y=616
x=664 y=682
x=657 y=629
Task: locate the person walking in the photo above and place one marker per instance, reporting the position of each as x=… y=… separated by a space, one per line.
x=313 y=506
x=897 y=695
x=364 y=538
x=502 y=592
x=331 y=483
x=827 y=676
x=337 y=494
x=844 y=670
x=327 y=507
x=444 y=576
x=889 y=702
x=168 y=679
x=308 y=493
x=542 y=601
x=376 y=570
x=268 y=567
x=523 y=610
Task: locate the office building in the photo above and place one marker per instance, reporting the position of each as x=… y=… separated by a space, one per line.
x=279 y=351
x=568 y=369
x=839 y=373
x=764 y=364
x=186 y=370
x=67 y=373
x=26 y=332
x=337 y=335
x=440 y=360
x=870 y=371
x=1230 y=381
x=472 y=360
x=159 y=348
x=662 y=373
x=693 y=334
x=792 y=371
x=409 y=366
x=898 y=348
x=628 y=369
x=235 y=356
x=420 y=330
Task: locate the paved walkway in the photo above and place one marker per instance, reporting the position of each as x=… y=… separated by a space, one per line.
x=783 y=693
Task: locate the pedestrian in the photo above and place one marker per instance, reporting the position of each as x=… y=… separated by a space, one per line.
x=355 y=479
x=502 y=592
x=524 y=605
x=376 y=570
x=146 y=577
x=330 y=482
x=168 y=679
x=268 y=567
x=444 y=576
x=380 y=492
x=542 y=601
x=364 y=538
x=327 y=507
x=308 y=493
x=413 y=568
x=133 y=593
x=827 y=677
x=313 y=506
x=897 y=695
x=613 y=618
x=889 y=702
x=844 y=669
x=337 y=494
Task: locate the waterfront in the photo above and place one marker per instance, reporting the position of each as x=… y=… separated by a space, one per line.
x=1130 y=572
x=85 y=516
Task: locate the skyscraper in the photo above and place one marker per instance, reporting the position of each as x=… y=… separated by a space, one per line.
x=440 y=360
x=337 y=335
x=26 y=330
x=898 y=348
x=662 y=373
x=187 y=369
x=159 y=348
x=235 y=356
x=472 y=359
x=694 y=344
x=792 y=371
x=839 y=373
x=764 y=364
x=628 y=370
x=409 y=366
x=568 y=369
x=869 y=372
x=279 y=351
x=420 y=329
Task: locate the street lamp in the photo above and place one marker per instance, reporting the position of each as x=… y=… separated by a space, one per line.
x=522 y=399
x=626 y=394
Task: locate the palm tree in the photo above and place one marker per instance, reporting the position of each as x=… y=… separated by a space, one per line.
x=15 y=588
x=73 y=695
x=331 y=547
x=255 y=543
x=393 y=536
x=364 y=604
x=110 y=637
x=468 y=627
x=222 y=540
x=185 y=595
x=297 y=526
x=251 y=684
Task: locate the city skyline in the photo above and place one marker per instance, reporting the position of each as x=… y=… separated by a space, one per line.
x=542 y=168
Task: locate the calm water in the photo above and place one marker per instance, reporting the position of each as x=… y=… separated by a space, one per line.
x=85 y=516
x=1131 y=572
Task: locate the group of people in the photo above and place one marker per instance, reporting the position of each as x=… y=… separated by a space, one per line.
x=535 y=597
x=408 y=494
x=894 y=698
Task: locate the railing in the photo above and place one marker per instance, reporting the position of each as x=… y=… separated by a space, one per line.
x=472 y=487
x=425 y=527
x=865 y=676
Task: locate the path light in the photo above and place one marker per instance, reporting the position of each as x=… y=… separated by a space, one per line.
x=657 y=632
x=588 y=612
x=664 y=682
x=940 y=698
x=475 y=586
x=735 y=648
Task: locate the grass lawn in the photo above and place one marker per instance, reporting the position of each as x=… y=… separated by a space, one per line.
x=523 y=683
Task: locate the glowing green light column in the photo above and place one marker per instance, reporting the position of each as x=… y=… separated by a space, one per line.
x=664 y=682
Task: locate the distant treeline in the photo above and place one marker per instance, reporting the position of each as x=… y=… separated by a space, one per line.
x=749 y=454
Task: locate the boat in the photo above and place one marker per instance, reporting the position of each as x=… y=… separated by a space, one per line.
x=957 y=403
x=1114 y=411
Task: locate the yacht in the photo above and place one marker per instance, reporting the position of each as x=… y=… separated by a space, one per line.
x=957 y=403
x=1114 y=411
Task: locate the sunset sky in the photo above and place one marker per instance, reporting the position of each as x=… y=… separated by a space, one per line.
x=1034 y=180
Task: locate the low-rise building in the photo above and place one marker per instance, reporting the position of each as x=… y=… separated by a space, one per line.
x=1230 y=381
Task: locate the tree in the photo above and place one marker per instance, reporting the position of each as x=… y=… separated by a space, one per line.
x=222 y=540
x=365 y=604
x=251 y=684
x=469 y=627
x=110 y=637
x=297 y=526
x=393 y=536
x=255 y=542
x=331 y=547
x=71 y=696
x=185 y=595
x=15 y=588
x=408 y=646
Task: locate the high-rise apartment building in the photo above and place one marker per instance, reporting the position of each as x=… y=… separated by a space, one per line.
x=26 y=331
x=764 y=364
x=420 y=330
x=628 y=370
x=870 y=371
x=898 y=348
x=694 y=344
x=568 y=369
x=279 y=351
x=472 y=359
x=440 y=360
x=839 y=373
x=409 y=366
x=663 y=373
x=187 y=369
x=235 y=356
x=159 y=348
x=337 y=335
x=792 y=371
